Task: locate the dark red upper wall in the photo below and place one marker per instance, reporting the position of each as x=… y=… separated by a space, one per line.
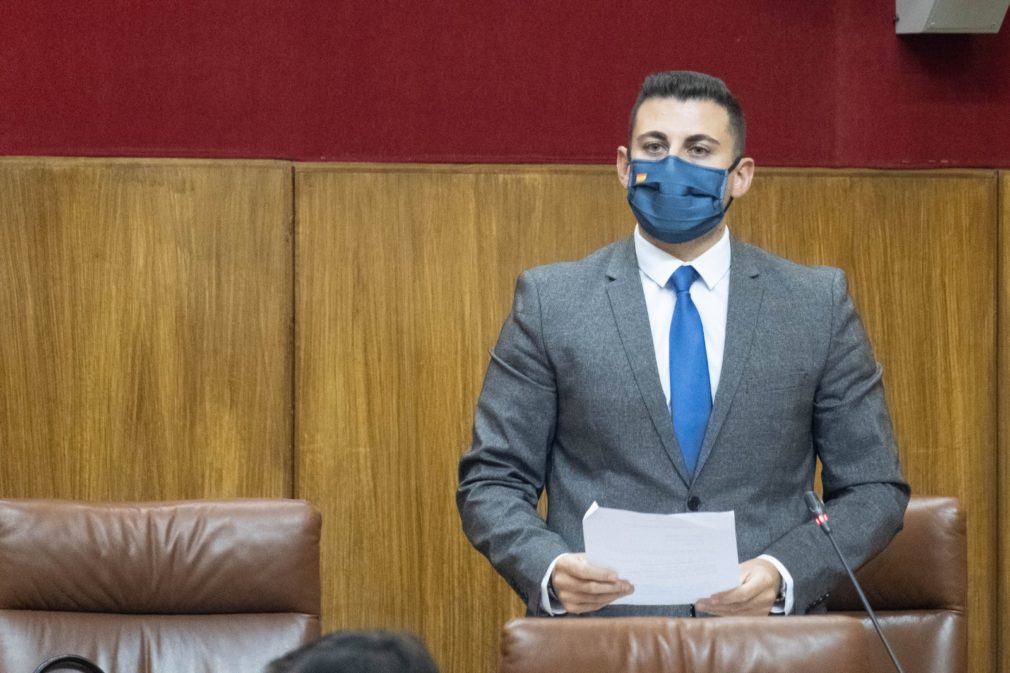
x=823 y=83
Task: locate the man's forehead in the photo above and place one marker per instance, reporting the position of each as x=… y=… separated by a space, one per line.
x=693 y=117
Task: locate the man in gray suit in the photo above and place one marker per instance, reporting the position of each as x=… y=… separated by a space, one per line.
x=681 y=370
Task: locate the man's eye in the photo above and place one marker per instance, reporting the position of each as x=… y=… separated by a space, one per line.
x=699 y=151
x=655 y=148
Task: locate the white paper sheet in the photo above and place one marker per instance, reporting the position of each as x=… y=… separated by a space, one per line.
x=670 y=559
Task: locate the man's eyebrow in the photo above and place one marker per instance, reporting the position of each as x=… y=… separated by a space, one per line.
x=653 y=135
x=700 y=137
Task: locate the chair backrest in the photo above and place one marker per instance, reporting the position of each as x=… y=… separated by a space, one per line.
x=925 y=567
x=917 y=586
x=197 y=586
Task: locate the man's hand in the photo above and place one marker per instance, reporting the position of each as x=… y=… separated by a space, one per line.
x=582 y=587
x=759 y=586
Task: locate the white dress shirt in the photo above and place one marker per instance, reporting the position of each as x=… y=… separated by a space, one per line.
x=710 y=296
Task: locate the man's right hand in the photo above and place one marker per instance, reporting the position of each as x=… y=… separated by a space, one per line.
x=582 y=587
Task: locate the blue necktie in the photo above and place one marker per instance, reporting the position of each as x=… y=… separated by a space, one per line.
x=690 y=390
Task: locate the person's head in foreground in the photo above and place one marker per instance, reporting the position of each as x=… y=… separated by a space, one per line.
x=358 y=652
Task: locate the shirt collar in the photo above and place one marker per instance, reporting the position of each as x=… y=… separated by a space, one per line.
x=712 y=265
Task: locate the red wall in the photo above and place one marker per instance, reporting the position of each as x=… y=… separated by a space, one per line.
x=823 y=83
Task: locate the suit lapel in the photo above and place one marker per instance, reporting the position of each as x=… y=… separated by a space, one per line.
x=745 y=295
x=627 y=301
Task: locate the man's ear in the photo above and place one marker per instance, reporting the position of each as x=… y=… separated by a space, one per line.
x=623 y=165
x=741 y=177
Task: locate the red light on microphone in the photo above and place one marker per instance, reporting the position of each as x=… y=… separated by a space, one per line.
x=821 y=518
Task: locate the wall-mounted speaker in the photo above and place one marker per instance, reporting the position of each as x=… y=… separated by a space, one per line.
x=950 y=16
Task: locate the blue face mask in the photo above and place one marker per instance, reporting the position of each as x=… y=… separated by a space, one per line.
x=674 y=200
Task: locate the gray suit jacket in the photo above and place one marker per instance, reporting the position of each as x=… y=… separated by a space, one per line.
x=572 y=403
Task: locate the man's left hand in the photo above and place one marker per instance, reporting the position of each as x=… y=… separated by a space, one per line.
x=759 y=586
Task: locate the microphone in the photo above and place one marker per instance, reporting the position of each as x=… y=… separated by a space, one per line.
x=816 y=508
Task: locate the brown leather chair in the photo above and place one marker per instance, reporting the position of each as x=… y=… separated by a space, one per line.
x=161 y=587
x=917 y=586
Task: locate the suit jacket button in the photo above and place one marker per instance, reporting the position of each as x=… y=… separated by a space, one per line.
x=694 y=503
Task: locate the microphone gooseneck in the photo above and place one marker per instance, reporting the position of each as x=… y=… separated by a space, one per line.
x=816 y=508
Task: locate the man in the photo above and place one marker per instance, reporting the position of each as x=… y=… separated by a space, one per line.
x=681 y=370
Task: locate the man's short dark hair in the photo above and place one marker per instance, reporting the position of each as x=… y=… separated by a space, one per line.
x=358 y=652
x=686 y=85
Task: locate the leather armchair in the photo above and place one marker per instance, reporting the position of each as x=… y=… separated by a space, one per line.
x=917 y=586
x=162 y=587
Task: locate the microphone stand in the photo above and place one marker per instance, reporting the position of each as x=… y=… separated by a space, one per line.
x=816 y=508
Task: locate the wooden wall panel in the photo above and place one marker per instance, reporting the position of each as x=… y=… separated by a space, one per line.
x=146 y=346
x=145 y=329
x=405 y=275
x=921 y=252
x=1003 y=612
